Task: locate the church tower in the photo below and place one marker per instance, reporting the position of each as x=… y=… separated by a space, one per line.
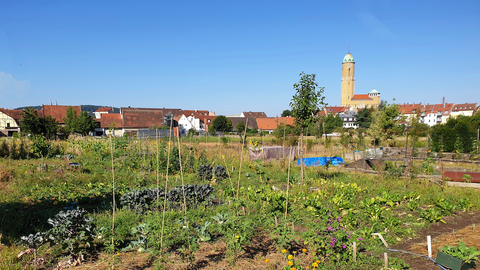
x=348 y=80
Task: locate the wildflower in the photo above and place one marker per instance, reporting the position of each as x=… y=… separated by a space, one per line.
x=267 y=260
x=290 y=257
x=293 y=268
x=290 y=263
x=344 y=247
x=304 y=250
x=223 y=156
x=318 y=261
x=284 y=251
x=360 y=239
x=315 y=265
x=329 y=228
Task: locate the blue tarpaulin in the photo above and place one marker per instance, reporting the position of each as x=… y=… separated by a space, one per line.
x=322 y=161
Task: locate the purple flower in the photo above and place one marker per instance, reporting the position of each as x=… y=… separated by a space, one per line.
x=332 y=244
x=329 y=228
x=349 y=236
x=360 y=239
x=334 y=240
x=344 y=247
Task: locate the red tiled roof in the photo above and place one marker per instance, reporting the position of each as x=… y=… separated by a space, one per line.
x=108 y=119
x=332 y=109
x=196 y=113
x=464 y=107
x=146 y=117
x=15 y=114
x=59 y=111
x=271 y=123
x=361 y=96
x=104 y=109
x=255 y=114
x=409 y=108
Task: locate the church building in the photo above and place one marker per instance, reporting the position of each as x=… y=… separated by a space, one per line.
x=348 y=96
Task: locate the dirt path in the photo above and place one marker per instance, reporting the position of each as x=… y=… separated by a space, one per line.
x=457 y=228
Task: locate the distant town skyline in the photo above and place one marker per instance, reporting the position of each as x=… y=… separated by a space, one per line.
x=230 y=57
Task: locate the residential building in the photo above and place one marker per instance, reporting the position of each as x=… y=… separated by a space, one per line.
x=103 y=110
x=9 y=122
x=349 y=117
x=271 y=123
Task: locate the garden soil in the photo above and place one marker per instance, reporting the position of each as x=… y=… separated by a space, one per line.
x=211 y=256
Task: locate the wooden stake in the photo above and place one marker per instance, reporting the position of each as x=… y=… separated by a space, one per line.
x=355 y=251
x=385 y=257
x=429 y=246
x=276 y=222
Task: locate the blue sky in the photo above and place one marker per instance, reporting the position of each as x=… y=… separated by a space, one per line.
x=233 y=56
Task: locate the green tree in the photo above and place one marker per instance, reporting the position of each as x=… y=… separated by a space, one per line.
x=221 y=123
x=30 y=122
x=85 y=124
x=330 y=123
x=286 y=113
x=305 y=105
x=70 y=119
x=82 y=124
x=364 y=117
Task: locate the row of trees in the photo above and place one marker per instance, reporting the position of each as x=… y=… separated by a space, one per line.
x=48 y=127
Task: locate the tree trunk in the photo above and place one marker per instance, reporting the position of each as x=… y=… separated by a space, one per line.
x=301 y=156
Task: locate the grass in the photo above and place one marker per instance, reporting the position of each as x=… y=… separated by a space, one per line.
x=29 y=197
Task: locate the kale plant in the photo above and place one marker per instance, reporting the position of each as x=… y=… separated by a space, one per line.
x=194 y=194
x=71 y=229
x=140 y=199
x=33 y=241
x=209 y=172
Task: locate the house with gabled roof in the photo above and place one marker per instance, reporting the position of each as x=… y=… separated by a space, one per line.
x=103 y=110
x=466 y=109
x=253 y=114
x=271 y=123
x=251 y=122
x=59 y=112
x=9 y=122
x=198 y=120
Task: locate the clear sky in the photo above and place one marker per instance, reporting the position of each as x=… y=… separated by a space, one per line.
x=233 y=56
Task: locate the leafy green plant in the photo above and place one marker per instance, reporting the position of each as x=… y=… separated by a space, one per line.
x=140 y=199
x=141 y=233
x=72 y=229
x=210 y=172
x=432 y=215
x=220 y=218
x=468 y=255
x=203 y=234
x=33 y=242
x=446 y=207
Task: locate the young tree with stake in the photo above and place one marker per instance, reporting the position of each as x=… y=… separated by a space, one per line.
x=305 y=104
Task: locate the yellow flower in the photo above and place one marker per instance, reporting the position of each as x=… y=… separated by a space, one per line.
x=290 y=263
x=284 y=251
x=290 y=257
x=294 y=252
x=318 y=261
x=304 y=250
x=293 y=268
x=315 y=265
x=223 y=156
x=267 y=260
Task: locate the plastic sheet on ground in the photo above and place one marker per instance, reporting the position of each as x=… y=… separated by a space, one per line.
x=322 y=161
